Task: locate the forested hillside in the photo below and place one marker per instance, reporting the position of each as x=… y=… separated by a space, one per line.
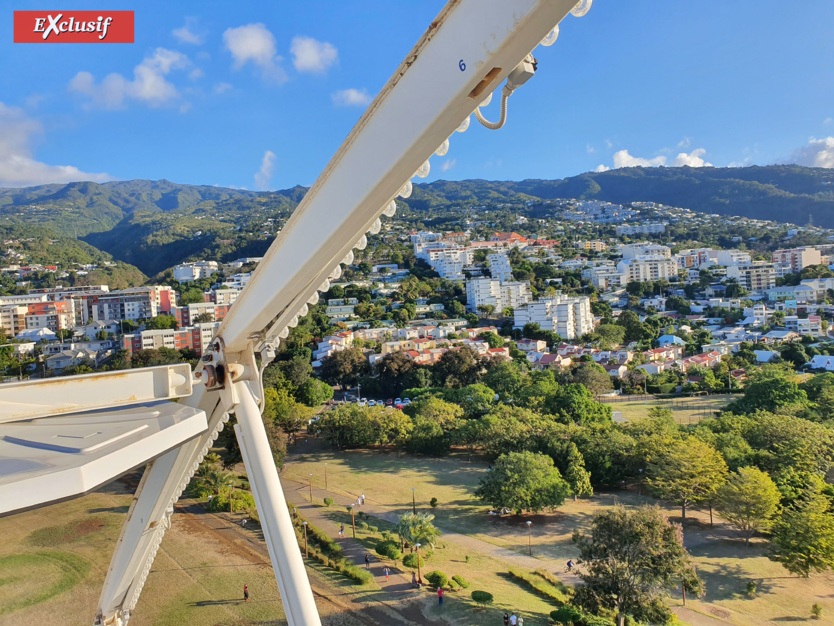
x=157 y=224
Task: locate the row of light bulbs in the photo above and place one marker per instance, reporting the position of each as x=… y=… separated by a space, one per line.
x=579 y=10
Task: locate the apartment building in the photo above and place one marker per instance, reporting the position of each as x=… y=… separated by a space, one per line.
x=605 y=277
x=13 y=319
x=695 y=258
x=641 y=229
x=52 y=315
x=448 y=261
x=187 y=272
x=499 y=267
x=757 y=277
x=566 y=316
x=134 y=303
x=186 y=315
x=644 y=248
x=729 y=258
x=797 y=258
x=492 y=292
x=595 y=246
x=193 y=338
x=810 y=326
x=646 y=268
x=221 y=296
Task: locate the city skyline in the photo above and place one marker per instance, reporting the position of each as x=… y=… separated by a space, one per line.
x=260 y=98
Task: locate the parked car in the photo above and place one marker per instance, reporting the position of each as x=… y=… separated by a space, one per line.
x=371 y=403
x=362 y=402
x=407 y=401
x=389 y=402
x=398 y=401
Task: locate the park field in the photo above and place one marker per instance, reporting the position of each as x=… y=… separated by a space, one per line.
x=722 y=559
x=685 y=410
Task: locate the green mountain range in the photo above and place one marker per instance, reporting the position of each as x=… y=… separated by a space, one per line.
x=156 y=224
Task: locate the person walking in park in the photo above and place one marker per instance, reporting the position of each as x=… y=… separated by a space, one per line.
x=363 y=498
x=342 y=530
x=386 y=571
x=245 y=593
x=520 y=621
x=506 y=619
x=367 y=561
x=414 y=579
x=440 y=596
x=513 y=620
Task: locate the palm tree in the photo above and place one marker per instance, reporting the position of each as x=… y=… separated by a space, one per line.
x=417 y=528
x=212 y=477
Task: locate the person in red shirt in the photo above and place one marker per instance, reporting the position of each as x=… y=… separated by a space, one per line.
x=440 y=596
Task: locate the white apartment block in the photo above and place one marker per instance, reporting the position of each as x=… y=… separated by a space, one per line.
x=634 y=250
x=728 y=258
x=488 y=291
x=566 y=316
x=194 y=271
x=648 y=267
x=757 y=277
x=810 y=326
x=797 y=258
x=605 y=277
x=641 y=229
x=449 y=261
x=499 y=267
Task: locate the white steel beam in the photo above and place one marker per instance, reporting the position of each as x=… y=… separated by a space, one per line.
x=72 y=394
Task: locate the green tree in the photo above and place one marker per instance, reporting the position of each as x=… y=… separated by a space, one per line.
x=162 y=322
x=523 y=481
x=204 y=318
x=413 y=528
x=748 y=500
x=803 y=537
x=434 y=421
x=593 y=377
x=458 y=368
x=493 y=340
x=689 y=472
x=576 y=475
x=344 y=367
x=633 y=558
x=314 y=392
x=770 y=389
x=610 y=334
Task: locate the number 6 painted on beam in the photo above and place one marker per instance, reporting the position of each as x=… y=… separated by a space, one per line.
x=462 y=66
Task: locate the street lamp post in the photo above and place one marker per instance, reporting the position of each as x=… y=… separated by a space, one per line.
x=419 y=574
x=413 y=502
x=311 y=489
x=353 y=519
x=530 y=537
x=325 y=477
x=306 y=553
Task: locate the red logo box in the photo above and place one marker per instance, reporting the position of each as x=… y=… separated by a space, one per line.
x=73 y=26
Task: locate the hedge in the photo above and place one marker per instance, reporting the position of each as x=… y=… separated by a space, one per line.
x=543 y=587
x=410 y=560
x=460 y=580
x=482 y=597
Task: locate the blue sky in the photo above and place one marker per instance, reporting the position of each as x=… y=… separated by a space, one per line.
x=260 y=94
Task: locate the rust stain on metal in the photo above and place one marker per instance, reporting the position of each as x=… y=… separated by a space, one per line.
x=481 y=87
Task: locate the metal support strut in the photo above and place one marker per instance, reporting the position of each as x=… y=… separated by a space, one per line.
x=299 y=605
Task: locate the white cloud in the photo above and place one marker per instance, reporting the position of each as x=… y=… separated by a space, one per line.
x=448 y=164
x=148 y=86
x=221 y=87
x=817 y=153
x=264 y=175
x=693 y=159
x=609 y=144
x=253 y=43
x=622 y=158
x=196 y=73
x=18 y=168
x=589 y=149
x=189 y=33
x=351 y=98
x=828 y=120
x=685 y=142
x=311 y=55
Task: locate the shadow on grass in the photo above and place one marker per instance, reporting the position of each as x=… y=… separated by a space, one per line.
x=111 y=509
x=730 y=582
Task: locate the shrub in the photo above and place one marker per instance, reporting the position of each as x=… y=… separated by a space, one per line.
x=390 y=549
x=253 y=515
x=751 y=589
x=433 y=503
x=482 y=598
x=460 y=580
x=594 y=620
x=437 y=579
x=198 y=489
x=468 y=558
x=453 y=586
x=410 y=560
x=566 y=615
x=328 y=502
x=386 y=535
x=363 y=525
x=373 y=529
x=816 y=611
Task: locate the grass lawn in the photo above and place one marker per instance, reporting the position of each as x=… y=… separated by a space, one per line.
x=685 y=410
x=724 y=561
